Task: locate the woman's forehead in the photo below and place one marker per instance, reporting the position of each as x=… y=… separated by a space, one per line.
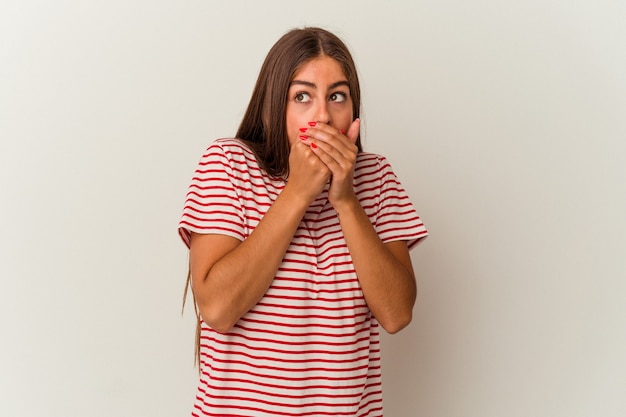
x=321 y=69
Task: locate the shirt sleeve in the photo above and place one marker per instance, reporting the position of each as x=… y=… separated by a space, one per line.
x=397 y=218
x=212 y=205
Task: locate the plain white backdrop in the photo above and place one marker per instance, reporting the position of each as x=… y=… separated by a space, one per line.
x=504 y=120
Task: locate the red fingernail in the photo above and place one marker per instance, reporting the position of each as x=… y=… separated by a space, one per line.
x=304 y=129
x=313 y=145
x=303 y=137
x=343 y=132
x=312 y=124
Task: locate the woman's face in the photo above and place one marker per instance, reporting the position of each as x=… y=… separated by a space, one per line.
x=319 y=92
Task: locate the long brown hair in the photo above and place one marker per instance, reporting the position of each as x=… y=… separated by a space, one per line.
x=264 y=126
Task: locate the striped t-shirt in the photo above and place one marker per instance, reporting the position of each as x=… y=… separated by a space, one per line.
x=311 y=346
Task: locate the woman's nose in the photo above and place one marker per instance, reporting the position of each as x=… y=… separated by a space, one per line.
x=322 y=114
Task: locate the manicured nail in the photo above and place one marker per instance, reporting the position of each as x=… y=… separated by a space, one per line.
x=343 y=132
x=304 y=129
x=313 y=145
x=303 y=137
x=312 y=124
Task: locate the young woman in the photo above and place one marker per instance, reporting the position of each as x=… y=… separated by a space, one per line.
x=299 y=246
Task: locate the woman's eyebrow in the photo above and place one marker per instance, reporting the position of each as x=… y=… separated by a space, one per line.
x=312 y=85
x=305 y=83
x=337 y=84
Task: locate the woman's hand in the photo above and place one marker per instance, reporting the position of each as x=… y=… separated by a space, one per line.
x=307 y=173
x=337 y=151
x=384 y=270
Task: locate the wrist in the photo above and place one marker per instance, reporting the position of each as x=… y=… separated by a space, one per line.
x=296 y=199
x=347 y=206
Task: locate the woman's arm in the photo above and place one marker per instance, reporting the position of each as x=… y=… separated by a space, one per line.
x=230 y=276
x=384 y=270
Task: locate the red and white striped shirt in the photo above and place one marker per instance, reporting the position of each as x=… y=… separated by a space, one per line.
x=311 y=346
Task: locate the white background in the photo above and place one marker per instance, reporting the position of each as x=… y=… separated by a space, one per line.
x=504 y=119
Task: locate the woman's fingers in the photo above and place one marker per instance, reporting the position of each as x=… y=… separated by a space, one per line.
x=353 y=130
x=339 y=160
x=334 y=147
x=307 y=173
x=338 y=152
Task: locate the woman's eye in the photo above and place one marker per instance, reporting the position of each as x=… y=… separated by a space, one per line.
x=302 y=97
x=338 y=97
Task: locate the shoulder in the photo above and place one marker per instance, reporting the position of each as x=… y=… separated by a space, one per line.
x=368 y=163
x=231 y=151
x=230 y=147
x=369 y=174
